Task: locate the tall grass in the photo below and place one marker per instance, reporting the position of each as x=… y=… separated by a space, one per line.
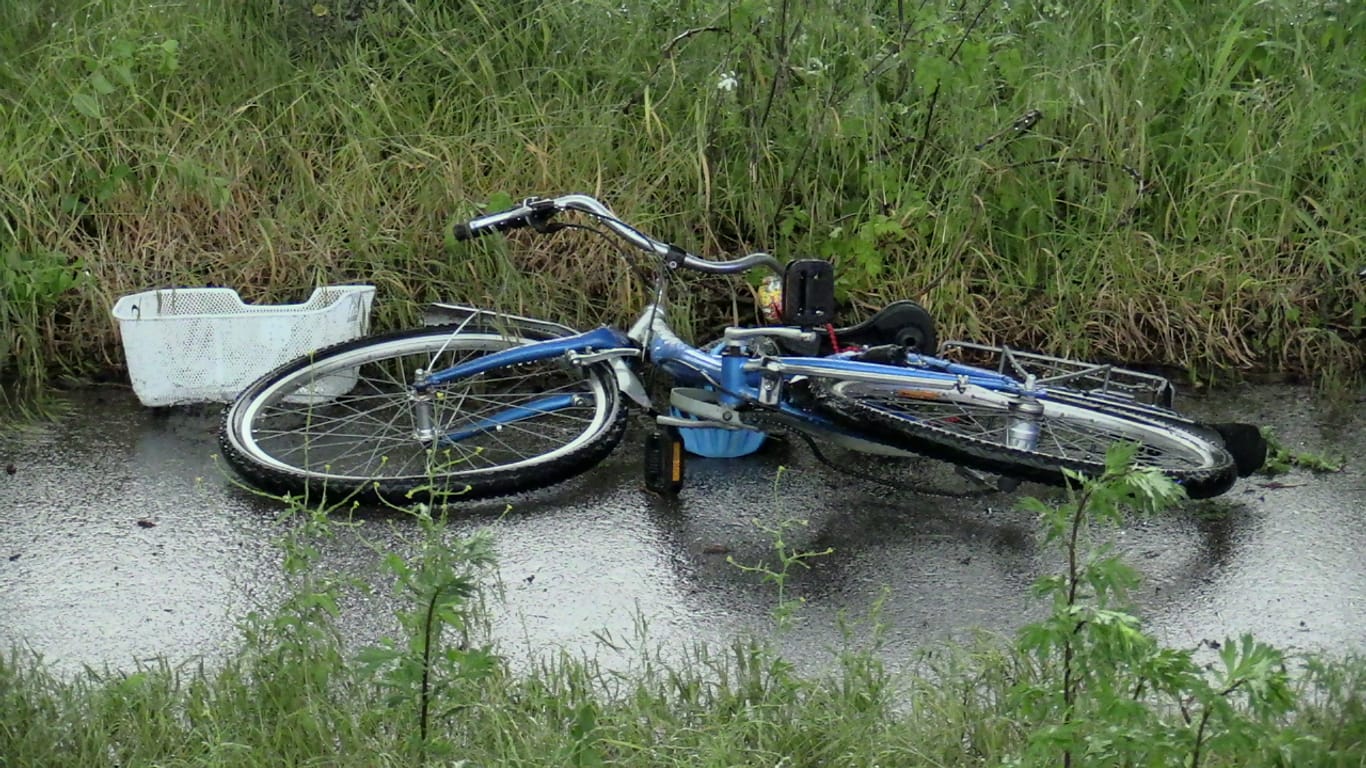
x=274 y=144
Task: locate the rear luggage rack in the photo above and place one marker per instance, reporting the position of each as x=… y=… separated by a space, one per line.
x=1094 y=379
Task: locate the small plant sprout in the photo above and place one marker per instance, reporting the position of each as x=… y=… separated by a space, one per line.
x=788 y=557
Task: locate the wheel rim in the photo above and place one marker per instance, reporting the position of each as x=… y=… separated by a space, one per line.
x=350 y=416
x=1066 y=432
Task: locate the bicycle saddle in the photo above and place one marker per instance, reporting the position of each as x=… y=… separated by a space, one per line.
x=902 y=323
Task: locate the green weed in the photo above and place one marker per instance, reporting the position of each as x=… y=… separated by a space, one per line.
x=426 y=680
x=1108 y=693
x=787 y=558
x=1280 y=458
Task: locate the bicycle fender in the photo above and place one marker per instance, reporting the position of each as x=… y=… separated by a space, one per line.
x=441 y=313
x=629 y=383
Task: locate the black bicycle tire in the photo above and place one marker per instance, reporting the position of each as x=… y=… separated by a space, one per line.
x=482 y=485
x=987 y=456
x=1248 y=456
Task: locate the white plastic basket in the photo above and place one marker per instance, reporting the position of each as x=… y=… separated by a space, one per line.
x=187 y=345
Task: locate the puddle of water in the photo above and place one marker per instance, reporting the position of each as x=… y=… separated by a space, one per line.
x=124 y=540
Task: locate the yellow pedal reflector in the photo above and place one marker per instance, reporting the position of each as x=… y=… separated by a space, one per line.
x=664 y=460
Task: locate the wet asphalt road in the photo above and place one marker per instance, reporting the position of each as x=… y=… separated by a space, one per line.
x=121 y=539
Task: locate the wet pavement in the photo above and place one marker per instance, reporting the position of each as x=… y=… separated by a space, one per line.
x=122 y=539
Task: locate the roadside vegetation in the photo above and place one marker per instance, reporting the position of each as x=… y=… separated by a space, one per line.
x=1167 y=183
x=1084 y=685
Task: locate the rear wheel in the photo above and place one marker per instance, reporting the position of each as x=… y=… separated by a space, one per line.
x=974 y=428
x=345 y=422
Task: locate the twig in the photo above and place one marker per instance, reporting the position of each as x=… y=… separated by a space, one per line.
x=667 y=50
x=1019 y=126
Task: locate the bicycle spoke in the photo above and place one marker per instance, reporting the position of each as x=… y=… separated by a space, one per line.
x=1065 y=438
x=370 y=430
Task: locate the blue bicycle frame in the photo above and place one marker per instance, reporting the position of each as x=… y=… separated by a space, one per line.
x=738 y=378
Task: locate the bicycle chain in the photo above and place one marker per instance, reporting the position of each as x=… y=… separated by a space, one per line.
x=923 y=489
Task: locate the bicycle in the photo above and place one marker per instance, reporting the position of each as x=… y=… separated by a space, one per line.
x=488 y=403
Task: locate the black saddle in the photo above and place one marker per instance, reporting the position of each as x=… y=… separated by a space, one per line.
x=904 y=324
x=809 y=302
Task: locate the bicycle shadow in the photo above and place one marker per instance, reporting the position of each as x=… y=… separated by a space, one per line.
x=934 y=566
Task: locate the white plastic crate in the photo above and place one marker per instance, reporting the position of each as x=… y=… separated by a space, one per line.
x=187 y=345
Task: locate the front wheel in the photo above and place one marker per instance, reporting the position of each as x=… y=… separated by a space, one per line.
x=996 y=432
x=345 y=422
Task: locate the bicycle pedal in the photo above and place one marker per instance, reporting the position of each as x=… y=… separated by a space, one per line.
x=664 y=460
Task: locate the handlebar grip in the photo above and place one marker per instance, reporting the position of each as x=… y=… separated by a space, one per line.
x=531 y=211
x=498 y=222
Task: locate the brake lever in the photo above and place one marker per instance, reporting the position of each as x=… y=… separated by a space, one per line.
x=543 y=224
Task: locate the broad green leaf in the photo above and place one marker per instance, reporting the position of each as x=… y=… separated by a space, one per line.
x=100 y=84
x=87 y=105
x=122 y=73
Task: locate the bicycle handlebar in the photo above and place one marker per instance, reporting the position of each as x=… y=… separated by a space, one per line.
x=537 y=211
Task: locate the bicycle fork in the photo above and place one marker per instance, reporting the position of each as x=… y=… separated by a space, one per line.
x=602 y=345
